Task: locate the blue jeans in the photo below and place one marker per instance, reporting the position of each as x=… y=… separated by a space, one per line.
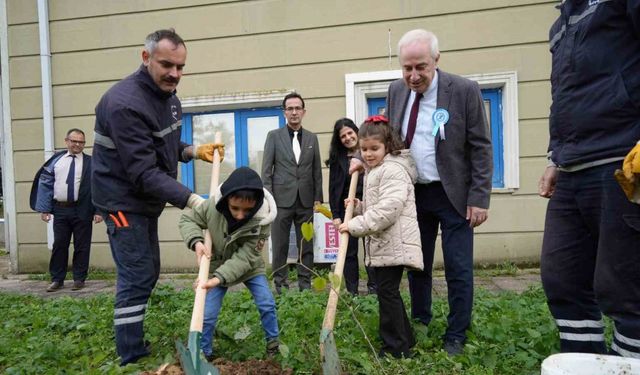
x=589 y=262
x=434 y=209
x=259 y=288
x=136 y=253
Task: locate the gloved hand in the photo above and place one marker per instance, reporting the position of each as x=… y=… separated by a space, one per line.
x=629 y=176
x=205 y=152
x=194 y=200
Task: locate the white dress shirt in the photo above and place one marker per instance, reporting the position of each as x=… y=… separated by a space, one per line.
x=61 y=171
x=423 y=145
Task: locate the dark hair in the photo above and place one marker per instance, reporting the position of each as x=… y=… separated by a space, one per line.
x=245 y=195
x=382 y=132
x=290 y=96
x=152 y=40
x=337 y=149
x=74 y=130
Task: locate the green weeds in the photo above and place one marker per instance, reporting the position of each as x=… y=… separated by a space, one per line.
x=511 y=334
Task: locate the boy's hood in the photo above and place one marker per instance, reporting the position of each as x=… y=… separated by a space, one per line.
x=266 y=214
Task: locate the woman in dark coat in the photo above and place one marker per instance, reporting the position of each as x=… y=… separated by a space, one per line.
x=344 y=144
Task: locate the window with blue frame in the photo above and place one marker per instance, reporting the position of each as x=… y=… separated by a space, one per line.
x=244 y=132
x=493 y=108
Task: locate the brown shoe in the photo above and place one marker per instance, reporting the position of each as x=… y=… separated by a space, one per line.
x=56 y=285
x=77 y=285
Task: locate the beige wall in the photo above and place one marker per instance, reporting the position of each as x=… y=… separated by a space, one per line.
x=306 y=45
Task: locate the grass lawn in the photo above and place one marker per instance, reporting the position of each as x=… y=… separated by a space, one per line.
x=511 y=334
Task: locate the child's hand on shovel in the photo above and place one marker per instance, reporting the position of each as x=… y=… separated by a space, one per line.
x=200 y=251
x=209 y=284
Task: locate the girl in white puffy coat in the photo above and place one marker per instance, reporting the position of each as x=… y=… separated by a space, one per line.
x=387 y=217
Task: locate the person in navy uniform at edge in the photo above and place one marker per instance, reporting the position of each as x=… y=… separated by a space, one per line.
x=135 y=159
x=344 y=145
x=62 y=188
x=591 y=244
x=454 y=174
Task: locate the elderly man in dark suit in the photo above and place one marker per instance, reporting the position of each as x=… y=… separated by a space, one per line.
x=441 y=118
x=291 y=171
x=62 y=188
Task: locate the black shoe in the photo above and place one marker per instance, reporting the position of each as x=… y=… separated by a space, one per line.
x=453 y=347
x=77 y=285
x=55 y=286
x=273 y=348
x=209 y=357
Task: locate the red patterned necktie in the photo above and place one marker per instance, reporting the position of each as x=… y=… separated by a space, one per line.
x=413 y=119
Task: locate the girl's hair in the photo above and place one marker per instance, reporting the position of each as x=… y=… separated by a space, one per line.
x=378 y=127
x=337 y=149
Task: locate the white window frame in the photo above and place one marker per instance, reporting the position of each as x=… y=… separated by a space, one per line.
x=361 y=86
x=233 y=101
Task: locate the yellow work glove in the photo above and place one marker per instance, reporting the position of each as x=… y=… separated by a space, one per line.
x=629 y=176
x=205 y=152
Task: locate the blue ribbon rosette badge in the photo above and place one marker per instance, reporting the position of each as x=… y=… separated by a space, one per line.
x=440 y=118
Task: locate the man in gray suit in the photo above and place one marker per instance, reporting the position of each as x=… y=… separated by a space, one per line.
x=441 y=118
x=291 y=171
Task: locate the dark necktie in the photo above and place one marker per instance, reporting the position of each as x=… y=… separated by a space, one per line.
x=413 y=119
x=71 y=177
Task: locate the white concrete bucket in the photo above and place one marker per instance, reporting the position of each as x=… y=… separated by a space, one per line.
x=589 y=364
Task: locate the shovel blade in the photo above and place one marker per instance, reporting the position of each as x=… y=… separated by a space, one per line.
x=191 y=361
x=329 y=353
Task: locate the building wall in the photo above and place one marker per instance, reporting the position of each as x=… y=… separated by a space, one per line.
x=275 y=45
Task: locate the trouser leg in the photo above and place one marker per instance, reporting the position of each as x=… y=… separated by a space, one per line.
x=420 y=282
x=259 y=288
x=81 y=247
x=617 y=276
x=569 y=252
x=280 y=230
x=136 y=255
x=395 y=328
x=351 y=267
x=212 y=305
x=62 y=230
x=457 y=250
x=303 y=215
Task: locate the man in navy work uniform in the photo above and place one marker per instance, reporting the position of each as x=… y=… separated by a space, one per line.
x=62 y=188
x=135 y=161
x=591 y=245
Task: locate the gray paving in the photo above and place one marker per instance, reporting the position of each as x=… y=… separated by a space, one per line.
x=22 y=284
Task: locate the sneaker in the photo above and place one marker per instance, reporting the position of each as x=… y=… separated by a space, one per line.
x=55 y=286
x=273 y=348
x=453 y=347
x=77 y=285
x=209 y=357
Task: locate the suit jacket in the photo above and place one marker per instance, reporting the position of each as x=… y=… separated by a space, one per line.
x=41 y=198
x=464 y=159
x=287 y=180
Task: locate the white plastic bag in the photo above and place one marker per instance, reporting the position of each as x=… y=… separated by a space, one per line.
x=326 y=239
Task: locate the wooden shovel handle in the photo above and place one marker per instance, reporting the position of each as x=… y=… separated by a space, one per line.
x=197 y=316
x=332 y=303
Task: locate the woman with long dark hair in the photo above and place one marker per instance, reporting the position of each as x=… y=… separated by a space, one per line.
x=344 y=144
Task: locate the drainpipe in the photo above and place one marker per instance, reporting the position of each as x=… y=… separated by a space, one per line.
x=47 y=96
x=9 y=187
x=45 y=72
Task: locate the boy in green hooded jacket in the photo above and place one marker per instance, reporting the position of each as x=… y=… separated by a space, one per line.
x=238 y=218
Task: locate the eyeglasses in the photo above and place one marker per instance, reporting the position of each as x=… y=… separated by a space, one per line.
x=294 y=109
x=75 y=142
